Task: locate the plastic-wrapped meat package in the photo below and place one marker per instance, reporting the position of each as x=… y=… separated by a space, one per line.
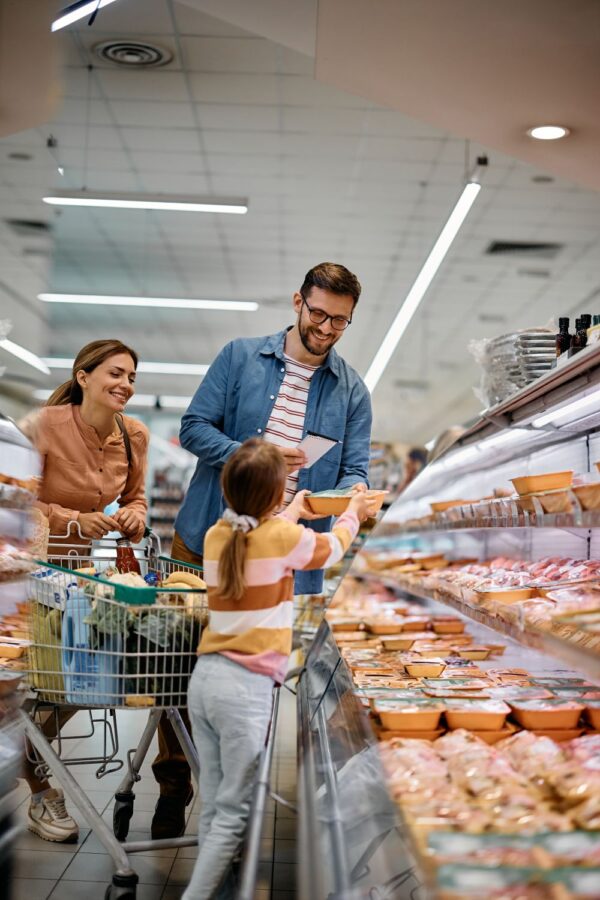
x=534 y=757
x=585 y=748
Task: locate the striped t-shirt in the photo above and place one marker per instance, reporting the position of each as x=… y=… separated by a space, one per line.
x=256 y=631
x=285 y=427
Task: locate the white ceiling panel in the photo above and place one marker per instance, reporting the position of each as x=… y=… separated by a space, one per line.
x=246 y=55
x=235 y=88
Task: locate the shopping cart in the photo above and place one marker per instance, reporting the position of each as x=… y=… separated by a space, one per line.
x=99 y=645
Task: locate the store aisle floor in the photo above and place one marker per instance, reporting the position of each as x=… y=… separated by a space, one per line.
x=46 y=871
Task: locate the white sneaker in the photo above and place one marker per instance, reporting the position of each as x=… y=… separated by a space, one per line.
x=49 y=819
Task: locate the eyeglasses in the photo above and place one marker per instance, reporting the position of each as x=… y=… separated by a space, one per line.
x=318 y=316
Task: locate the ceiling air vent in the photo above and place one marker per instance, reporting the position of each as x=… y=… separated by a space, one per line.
x=524 y=249
x=29 y=227
x=133 y=54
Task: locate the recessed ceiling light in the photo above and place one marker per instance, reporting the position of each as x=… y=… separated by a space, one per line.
x=151 y=302
x=548 y=132
x=161 y=202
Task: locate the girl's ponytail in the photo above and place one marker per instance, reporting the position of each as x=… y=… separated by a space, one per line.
x=231 y=567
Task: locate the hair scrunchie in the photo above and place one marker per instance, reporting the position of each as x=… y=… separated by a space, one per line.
x=239 y=522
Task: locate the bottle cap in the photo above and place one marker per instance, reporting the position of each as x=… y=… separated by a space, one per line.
x=596 y=320
x=563 y=322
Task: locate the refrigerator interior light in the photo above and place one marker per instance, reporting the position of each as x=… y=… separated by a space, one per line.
x=25 y=355
x=144 y=368
x=151 y=302
x=572 y=410
x=161 y=202
x=421 y=284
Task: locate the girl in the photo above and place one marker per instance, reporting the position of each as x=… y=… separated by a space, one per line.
x=249 y=562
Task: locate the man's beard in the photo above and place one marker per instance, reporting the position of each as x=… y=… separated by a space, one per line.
x=320 y=350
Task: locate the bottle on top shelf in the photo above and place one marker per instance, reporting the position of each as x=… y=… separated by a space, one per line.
x=563 y=338
x=579 y=339
x=593 y=333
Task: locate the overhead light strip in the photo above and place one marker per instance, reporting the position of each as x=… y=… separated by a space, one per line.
x=160 y=202
x=25 y=355
x=146 y=368
x=421 y=284
x=77 y=11
x=151 y=302
x=166 y=401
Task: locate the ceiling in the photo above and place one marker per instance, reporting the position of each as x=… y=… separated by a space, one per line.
x=328 y=174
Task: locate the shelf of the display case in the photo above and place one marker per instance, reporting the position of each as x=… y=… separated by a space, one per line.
x=574 y=655
x=507 y=513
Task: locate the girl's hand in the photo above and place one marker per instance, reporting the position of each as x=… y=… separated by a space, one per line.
x=363 y=506
x=96 y=524
x=128 y=522
x=299 y=508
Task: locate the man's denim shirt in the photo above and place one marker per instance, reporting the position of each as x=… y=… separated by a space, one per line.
x=234 y=403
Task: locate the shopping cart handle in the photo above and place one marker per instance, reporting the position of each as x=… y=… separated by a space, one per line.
x=147 y=532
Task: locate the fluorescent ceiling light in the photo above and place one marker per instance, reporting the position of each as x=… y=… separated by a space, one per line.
x=77 y=11
x=169 y=401
x=588 y=403
x=419 y=288
x=151 y=302
x=548 y=132
x=146 y=368
x=164 y=202
x=142 y=400
x=25 y=355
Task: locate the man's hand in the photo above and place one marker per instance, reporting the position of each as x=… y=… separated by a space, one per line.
x=294 y=458
x=359 y=488
x=128 y=522
x=96 y=524
x=299 y=509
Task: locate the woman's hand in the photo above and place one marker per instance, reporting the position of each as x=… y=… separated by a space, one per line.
x=96 y=524
x=363 y=506
x=299 y=509
x=128 y=522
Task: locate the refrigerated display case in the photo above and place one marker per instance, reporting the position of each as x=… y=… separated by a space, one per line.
x=19 y=464
x=354 y=842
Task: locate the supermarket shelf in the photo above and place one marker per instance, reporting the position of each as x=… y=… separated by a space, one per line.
x=574 y=655
x=506 y=514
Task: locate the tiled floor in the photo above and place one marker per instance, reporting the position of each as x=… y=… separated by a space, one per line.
x=46 y=871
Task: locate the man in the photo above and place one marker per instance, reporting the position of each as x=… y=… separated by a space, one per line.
x=281 y=387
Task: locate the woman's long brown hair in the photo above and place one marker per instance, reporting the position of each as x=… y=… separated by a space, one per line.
x=253 y=483
x=88 y=358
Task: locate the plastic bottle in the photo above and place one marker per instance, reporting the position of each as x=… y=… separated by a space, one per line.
x=90 y=678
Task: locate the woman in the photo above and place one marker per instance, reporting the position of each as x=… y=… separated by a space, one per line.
x=92 y=455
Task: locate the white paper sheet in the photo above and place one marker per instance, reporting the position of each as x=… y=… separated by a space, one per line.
x=315 y=446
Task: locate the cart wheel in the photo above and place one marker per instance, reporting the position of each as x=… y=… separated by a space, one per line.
x=122 y=813
x=122 y=887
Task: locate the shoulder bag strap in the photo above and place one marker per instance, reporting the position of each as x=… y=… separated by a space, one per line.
x=126 y=440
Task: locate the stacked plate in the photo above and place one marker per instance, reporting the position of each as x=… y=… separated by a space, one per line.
x=512 y=361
